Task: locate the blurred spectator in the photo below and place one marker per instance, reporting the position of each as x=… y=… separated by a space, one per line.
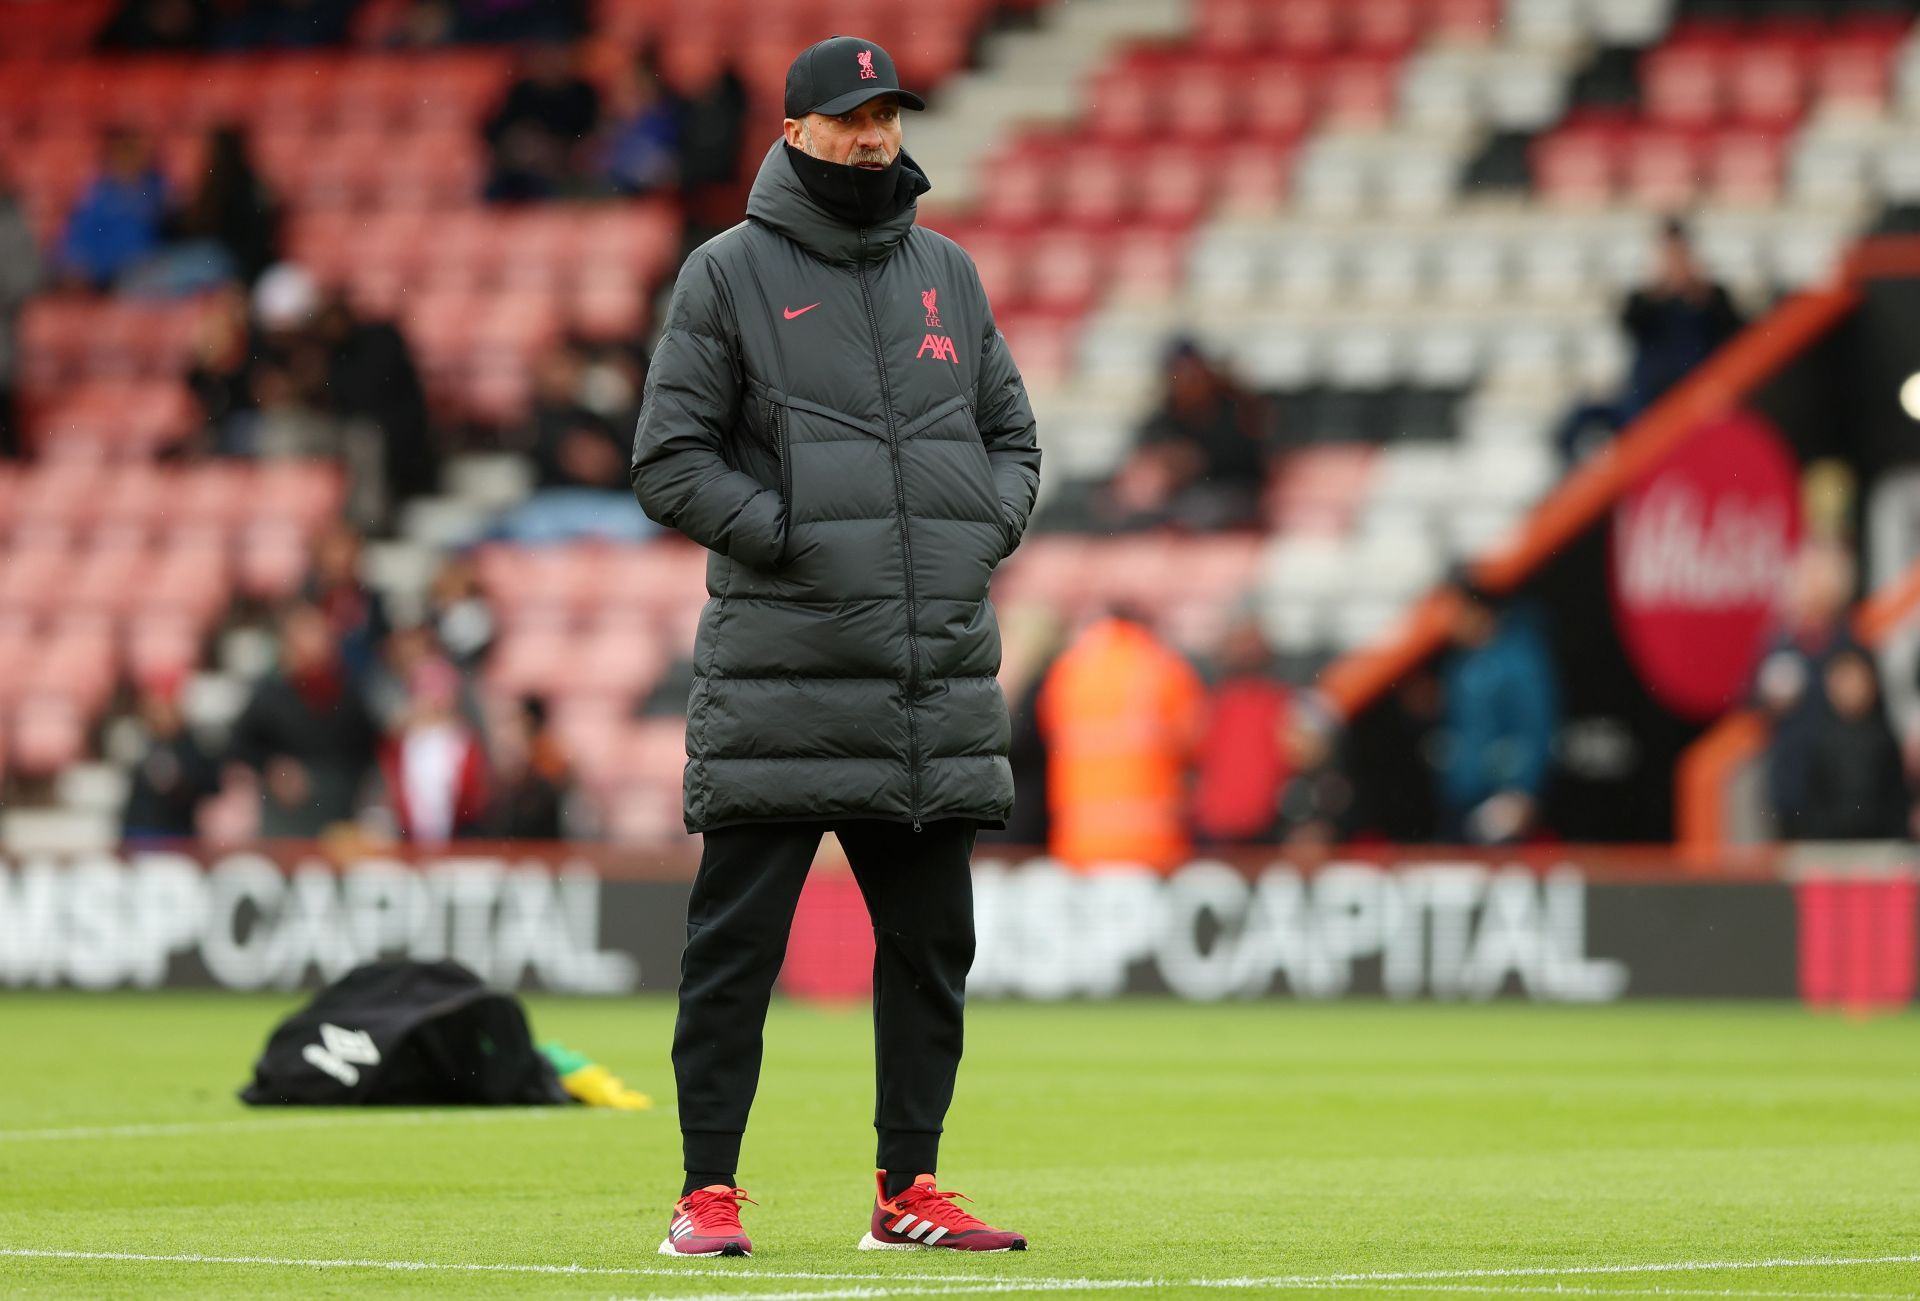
x=1787 y=685
x=537 y=130
x=1121 y=714
x=1675 y=323
x=1500 y=709
x=462 y=619
x=1201 y=458
x=580 y=452
x=172 y=776
x=1242 y=763
x=306 y=731
x=640 y=136
x=714 y=118
x=334 y=586
x=153 y=25
x=221 y=375
x=434 y=766
x=1032 y=635
x=283 y=24
x=1856 y=786
x=233 y=208
x=370 y=376
x=287 y=373
x=118 y=220
x=19 y=277
x=573 y=445
x=531 y=774
x=1316 y=804
x=1382 y=784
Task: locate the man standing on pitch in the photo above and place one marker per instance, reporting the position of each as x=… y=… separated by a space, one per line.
x=832 y=413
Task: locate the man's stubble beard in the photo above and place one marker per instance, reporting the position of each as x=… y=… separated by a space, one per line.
x=854 y=159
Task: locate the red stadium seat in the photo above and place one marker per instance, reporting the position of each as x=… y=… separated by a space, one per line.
x=1663 y=167
x=1852 y=71
x=1147 y=263
x=1766 y=83
x=531 y=660
x=162 y=647
x=1464 y=21
x=273 y=559
x=1576 y=166
x=33 y=581
x=1305 y=27
x=1360 y=90
x=116 y=418
x=1097 y=188
x=1279 y=100
x=1745 y=165
x=1021 y=183
x=1384 y=26
x=48 y=734
x=1065 y=271
x=1682 y=83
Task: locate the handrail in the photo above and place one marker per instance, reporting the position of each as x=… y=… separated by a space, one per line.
x=1356 y=680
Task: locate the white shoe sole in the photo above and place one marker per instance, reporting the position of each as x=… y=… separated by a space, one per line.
x=870 y=1243
x=667 y=1249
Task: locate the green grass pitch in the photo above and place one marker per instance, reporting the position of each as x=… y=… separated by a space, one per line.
x=1359 y=1149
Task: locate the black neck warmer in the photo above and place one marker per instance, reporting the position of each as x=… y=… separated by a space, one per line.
x=860 y=196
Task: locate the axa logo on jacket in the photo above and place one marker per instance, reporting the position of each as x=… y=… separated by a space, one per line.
x=940 y=346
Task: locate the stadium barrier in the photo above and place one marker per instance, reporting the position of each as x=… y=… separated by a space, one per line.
x=1835 y=925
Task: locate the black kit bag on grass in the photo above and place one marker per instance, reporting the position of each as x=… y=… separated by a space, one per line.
x=405 y=1034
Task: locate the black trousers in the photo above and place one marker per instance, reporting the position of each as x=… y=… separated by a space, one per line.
x=918 y=888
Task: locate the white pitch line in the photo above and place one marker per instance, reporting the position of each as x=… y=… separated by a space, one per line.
x=1556 y=1271
x=1041 y=1284
x=1558 y=1289
x=343 y=1116
x=976 y=1289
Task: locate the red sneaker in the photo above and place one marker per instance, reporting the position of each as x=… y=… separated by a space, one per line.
x=706 y=1222
x=923 y=1216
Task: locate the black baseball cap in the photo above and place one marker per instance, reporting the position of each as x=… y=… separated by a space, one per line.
x=840 y=73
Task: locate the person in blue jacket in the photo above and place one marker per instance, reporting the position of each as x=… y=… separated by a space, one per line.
x=1500 y=708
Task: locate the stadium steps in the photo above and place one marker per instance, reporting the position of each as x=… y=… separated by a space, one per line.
x=1027 y=77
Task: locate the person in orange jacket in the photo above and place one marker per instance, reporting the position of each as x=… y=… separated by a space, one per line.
x=1121 y=714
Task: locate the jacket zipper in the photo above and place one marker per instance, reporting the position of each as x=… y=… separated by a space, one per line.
x=906 y=536
x=777 y=418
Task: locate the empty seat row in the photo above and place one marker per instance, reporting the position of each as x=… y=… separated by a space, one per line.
x=1207 y=97
x=1090 y=183
x=99 y=420
x=303 y=92
x=1324 y=26
x=1662 y=167
x=137 y=502
x=64 y=338
x=1772 y=81
x=553 y=247
x=571 y=581
x=1070 y=269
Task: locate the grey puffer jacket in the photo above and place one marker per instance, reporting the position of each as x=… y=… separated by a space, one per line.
x=833 y=413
